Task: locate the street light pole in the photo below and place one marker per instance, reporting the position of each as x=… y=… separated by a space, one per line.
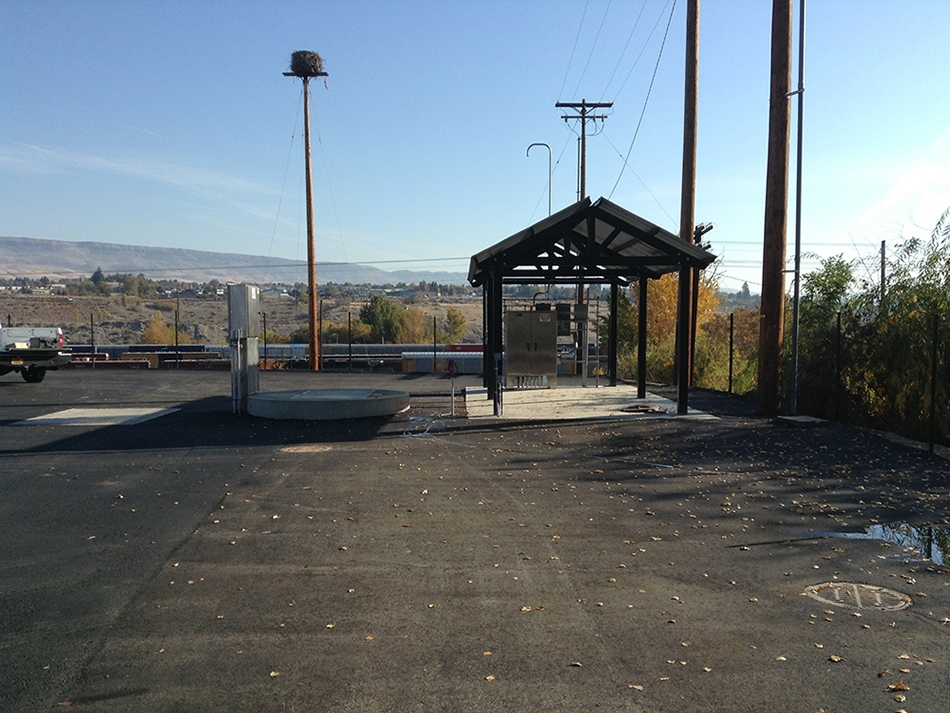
x=796 y=295
x=550 y=173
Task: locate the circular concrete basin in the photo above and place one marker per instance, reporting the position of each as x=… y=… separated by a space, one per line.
x=327 y=404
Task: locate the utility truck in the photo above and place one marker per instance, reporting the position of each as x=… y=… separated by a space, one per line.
x=32 y=351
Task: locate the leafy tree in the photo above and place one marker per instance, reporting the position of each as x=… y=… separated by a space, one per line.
x=157 y=332
x=385 y=319
x=886 y=344
x=415 y=329
x=662 y=300
x=899 y=352
x=136 y=285
x=825 y=293
x=712 y=351
x=272 y=337
x=334 y=333
x=454 y=325
x=301 y=335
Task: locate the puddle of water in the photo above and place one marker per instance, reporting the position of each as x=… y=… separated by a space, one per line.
x=927 y=542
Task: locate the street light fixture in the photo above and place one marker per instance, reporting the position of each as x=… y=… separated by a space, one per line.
x=528 y=152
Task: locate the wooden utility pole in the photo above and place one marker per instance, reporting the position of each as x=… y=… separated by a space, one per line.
x=583 y=114
x=311 y=241
x=306 y=65
x=684 y=301
x=768 y=394
x=583 y=109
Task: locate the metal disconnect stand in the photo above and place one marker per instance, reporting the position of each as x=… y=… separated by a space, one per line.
x=244 y=328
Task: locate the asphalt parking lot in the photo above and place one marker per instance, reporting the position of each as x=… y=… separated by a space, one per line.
x=204 y=561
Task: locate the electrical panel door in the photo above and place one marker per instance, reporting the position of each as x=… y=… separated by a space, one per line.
x=531 y=343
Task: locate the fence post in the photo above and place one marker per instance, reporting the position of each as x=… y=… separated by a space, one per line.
x=732 y=325
x=264 y=334
x=933 y=381
x=320 y=362
x=837 y=389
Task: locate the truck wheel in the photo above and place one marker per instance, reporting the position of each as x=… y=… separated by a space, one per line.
x=33 y=374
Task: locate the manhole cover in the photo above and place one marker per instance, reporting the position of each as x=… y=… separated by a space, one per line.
x=860 y=596
x=306 y=448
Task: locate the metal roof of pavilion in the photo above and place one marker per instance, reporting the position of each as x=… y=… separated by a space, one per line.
x=591 y=241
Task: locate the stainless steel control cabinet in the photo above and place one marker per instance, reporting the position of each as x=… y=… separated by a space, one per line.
x=531 y=348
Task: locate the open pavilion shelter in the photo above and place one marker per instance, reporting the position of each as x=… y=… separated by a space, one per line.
x=589 y=242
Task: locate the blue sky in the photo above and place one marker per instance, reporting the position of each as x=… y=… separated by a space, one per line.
x=170 y=124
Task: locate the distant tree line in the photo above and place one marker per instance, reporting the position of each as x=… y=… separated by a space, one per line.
x=384 y=321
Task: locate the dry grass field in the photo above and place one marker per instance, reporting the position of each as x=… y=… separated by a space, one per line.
x=121 y=320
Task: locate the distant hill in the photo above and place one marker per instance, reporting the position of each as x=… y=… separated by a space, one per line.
x=59 y=259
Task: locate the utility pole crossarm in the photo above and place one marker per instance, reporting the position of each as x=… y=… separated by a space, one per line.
x=583 y=105
x=589 y=117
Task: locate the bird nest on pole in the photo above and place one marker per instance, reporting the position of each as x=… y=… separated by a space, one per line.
x=306 y=64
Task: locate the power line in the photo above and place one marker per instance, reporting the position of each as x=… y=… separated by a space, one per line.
x=645 y=186
x=574 y=48
x=623 y=52
x=283 y=185
x=326 y=169
x=645 y=101
x=644 y=49
x=289 y=265
x=592 y=48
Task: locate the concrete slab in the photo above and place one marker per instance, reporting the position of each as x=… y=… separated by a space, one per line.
x=96 y=417
x=327 y=404
x=575 y=403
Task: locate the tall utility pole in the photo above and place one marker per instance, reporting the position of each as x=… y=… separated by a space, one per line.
x=684 y=326
x=768 y=394
x=583 y=109
x=306 y=65
x=797 y=285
